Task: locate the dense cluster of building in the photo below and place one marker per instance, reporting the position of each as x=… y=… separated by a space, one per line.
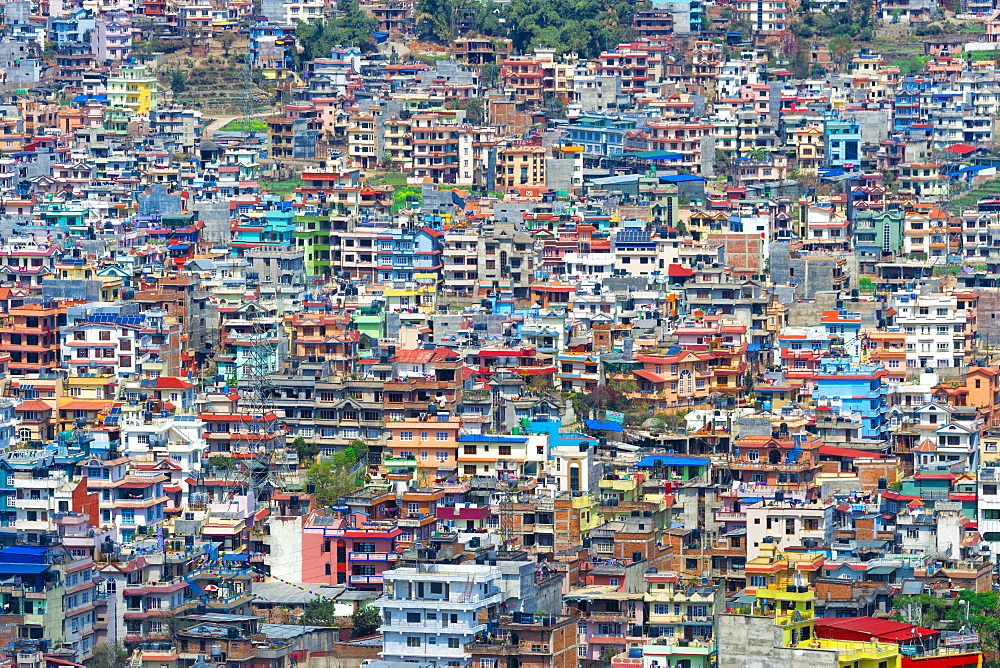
x=665 y=358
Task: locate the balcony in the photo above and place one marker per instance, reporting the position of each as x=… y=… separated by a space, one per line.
x=507 y=649
x=372 y=556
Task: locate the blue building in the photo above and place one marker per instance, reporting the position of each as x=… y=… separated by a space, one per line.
x=843 y=143
x=601 y=136
x=906 y=106
x=271 y=230
x=410 y=255
x=71 y=29
x=855 y=391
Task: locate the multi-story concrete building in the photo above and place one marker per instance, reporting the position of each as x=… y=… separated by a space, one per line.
x=935 y=330
x=433 y=611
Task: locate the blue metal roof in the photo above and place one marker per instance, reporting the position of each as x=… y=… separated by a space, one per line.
x=681 y=178
x=603 y=425
x=23 y=569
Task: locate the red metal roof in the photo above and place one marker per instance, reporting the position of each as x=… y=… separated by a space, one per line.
x=834 y=451
x=867 y=628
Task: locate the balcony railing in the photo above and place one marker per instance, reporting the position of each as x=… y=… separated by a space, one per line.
x=372 y=556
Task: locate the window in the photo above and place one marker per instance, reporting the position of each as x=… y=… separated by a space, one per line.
x=453 y=643
x=442 y=456
x=128 y=516
x=441 y=436
x=661 y=608
x=412 y=641
x=406 y=435
x=697 y=611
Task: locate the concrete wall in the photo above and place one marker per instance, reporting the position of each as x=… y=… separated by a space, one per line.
x=216 y=216
x=285 y=559
x=988 y=322
x=748 y=641
x=158 y=201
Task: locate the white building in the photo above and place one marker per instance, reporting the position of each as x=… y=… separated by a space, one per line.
x=935 y=330
x=430 y=612
x=988 y=507
x=788 y=525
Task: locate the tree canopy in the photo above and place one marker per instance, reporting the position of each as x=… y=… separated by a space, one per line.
x=366 y=621
x=332 y=478
x=983 y=614
x=319 y=612
x=585 y=27
x=351 y=27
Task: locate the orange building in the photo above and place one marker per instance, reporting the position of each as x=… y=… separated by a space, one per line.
x=428 y=444
x=675 y=380
x=30 y=334
x=778 y=463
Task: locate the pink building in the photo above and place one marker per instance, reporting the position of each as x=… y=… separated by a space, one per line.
x=348 y=551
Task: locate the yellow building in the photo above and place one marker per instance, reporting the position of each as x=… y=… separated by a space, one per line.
x=397 y=148
x=76 y=269
x=134 y=88
x=775 y=567
x=679 y=610
x=777 y=628
x=520 y=166
x=808 y=143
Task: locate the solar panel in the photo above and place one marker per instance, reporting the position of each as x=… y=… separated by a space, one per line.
x=632 y=236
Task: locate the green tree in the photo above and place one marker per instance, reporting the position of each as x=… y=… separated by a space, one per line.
x=192 y=37
x=353 y=26
x=226 y=40
x=475 y=111
x=222 y=462
x=333 y=477
x=983 y=614
x=319 y=612
x=178 y=84
x=758 y=153
x=306 y=451
x=109 y=655
x=841 y=47
x=366 y=621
